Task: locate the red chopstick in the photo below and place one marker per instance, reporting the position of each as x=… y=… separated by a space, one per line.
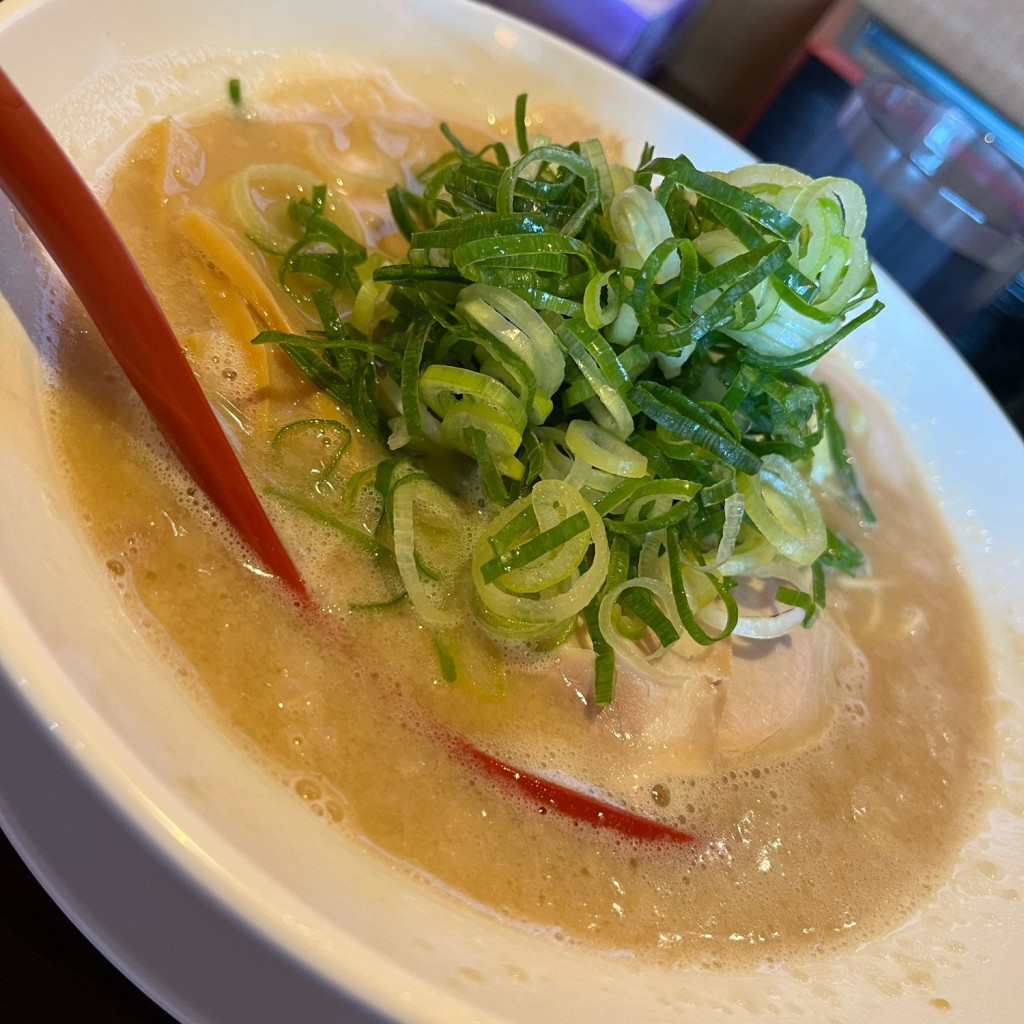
x=49 y=193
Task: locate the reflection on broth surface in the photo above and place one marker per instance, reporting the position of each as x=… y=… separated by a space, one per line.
x=827 y=785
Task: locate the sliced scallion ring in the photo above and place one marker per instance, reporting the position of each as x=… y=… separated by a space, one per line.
x=574 y=593
x=781 y=505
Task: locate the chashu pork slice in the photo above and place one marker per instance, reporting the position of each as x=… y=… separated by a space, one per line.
x=652 y=725
x=734 y=698
x=781 y=694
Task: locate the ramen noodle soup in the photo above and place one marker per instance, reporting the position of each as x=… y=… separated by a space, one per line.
x=813 y=790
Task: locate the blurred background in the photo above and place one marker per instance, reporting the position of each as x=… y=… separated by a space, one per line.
x=920 y=101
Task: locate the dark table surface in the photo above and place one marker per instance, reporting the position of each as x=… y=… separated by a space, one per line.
x=49 y=971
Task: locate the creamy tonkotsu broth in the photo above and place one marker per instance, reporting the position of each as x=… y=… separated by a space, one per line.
x=811 y=832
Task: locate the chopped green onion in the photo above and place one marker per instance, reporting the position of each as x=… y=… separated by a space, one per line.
x=449 y=672
x=615 y=356
x=604 y=656
x=379 y=606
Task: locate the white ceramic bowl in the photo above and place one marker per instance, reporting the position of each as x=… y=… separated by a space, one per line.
x=199 y=876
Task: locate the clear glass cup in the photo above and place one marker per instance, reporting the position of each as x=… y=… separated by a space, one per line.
x=945 y=204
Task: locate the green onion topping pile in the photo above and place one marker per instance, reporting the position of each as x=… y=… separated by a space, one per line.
x=618 y=354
